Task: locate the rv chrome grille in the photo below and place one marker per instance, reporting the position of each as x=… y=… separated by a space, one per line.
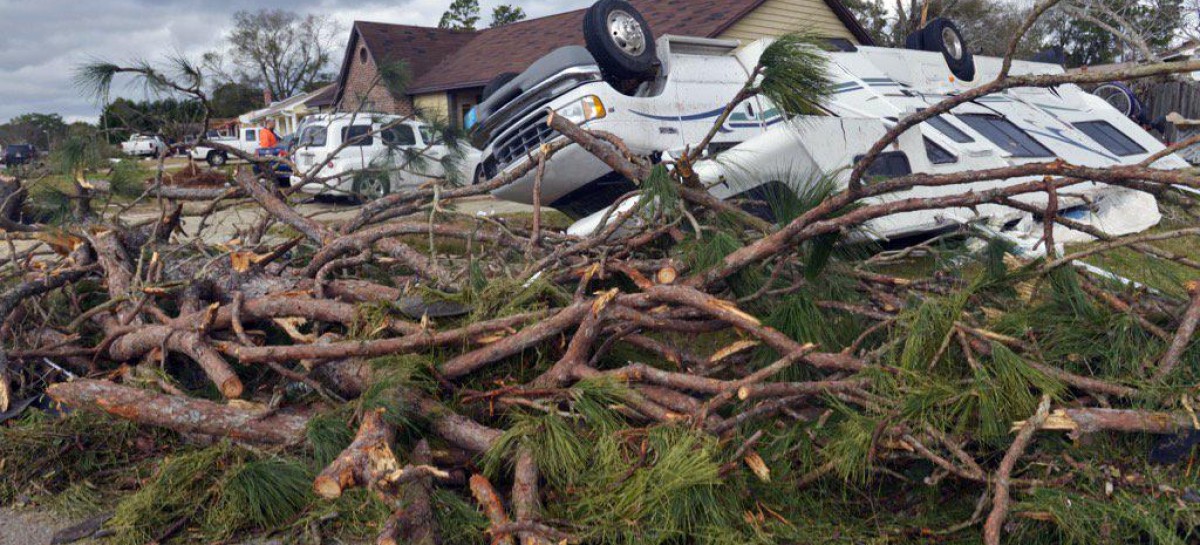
x=519 y=143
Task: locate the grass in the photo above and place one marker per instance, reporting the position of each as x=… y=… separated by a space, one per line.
x=1160 y=274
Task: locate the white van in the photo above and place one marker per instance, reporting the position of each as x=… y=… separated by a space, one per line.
x=382 y=154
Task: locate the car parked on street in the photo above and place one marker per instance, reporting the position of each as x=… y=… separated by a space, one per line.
x=141 y=145
x=16 y=155
x=368 y=156
x=663 y=96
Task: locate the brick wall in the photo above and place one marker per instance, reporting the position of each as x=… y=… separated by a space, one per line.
x=363 y=85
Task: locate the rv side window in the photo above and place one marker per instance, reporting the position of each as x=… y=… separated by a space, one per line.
x=1005 y=134
x=251 y=136
x=356 y=133
x=1110 y=137
x=945 y=127
x=937 y=154
x=427 y=135
x=400 y=135
x=892 y=164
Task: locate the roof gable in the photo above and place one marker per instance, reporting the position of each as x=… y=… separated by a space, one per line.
x=419 y=48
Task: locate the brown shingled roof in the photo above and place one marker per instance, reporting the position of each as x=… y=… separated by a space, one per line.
x=326 y=97
x=513 y=47
x=440 y=60
x=420 y=48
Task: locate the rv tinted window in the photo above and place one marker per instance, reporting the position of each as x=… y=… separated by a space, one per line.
x=1009 y=137
x=892 y=164
x=948 y=129
x=400 y=135
x=251 y=136
x=356 y=132
x=937 y=154
x=1110 y=137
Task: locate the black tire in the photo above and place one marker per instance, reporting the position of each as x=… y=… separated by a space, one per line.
x=496 y=83
x=369 y=189
x=621 y=41
x=942 y=35
x=217 y=158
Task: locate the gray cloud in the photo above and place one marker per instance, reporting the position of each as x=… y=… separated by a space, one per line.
x=43 y=41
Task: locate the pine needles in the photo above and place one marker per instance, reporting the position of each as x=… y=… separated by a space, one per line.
x=222 y=489
x=794 y=75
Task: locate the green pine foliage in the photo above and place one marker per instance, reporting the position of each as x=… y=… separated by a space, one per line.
x=795 y=75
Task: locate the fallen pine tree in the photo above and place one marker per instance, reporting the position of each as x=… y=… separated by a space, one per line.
x=690 y=373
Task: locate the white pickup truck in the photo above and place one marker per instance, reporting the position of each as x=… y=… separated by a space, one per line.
x=140 y=145
x=245 y=139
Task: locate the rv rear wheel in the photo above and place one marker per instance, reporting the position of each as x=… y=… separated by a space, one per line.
x=217 y=158
x=621 y=41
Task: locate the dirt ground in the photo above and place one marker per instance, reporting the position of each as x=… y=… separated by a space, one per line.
x=28 y=527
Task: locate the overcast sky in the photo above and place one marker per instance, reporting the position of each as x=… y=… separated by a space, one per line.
x=43 y=41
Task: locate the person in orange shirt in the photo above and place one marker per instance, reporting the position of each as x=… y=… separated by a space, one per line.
x=267 y=137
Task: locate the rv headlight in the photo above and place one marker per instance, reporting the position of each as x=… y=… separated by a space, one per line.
x=587 y=109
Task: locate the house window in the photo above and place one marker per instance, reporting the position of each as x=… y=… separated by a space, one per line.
x=360 y=134
x=362 y=55
x=1005 y=134
x=1110 y=137
x=892 y=164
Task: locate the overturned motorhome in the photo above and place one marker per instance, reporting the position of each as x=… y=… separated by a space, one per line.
x=663 y=98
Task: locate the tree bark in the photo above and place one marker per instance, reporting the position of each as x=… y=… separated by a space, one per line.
x=182 y=414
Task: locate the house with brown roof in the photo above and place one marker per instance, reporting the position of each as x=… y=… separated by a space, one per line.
x=444 y=71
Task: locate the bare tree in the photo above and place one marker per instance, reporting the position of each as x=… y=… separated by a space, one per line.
x=281 y=50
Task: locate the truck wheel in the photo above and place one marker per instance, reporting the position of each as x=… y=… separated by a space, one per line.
x=496 y=83
x=369 y=189
x=217 y=158
x=942 y=35
x=621 y=41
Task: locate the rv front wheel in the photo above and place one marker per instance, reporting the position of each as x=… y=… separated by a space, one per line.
x=621 y=41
